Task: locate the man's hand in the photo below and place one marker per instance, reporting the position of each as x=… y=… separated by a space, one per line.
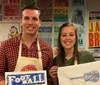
x=2 y=82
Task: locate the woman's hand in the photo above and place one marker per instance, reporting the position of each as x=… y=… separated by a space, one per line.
x=53 y=71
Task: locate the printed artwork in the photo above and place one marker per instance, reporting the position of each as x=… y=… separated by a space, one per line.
x=76 y=75
x=94 y=33
x=13 y=32
x=77 y=16
x=78 y=2
x=60 y=10
x=56 y=31
x=45 y=32
x=11 y=9
x=26 y=78
x=46 y=9
x=9 y=30
x=0 y=10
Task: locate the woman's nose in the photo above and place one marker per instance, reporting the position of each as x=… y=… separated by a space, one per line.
x=67 y=37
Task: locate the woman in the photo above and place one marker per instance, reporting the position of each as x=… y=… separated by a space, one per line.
x=68 y=53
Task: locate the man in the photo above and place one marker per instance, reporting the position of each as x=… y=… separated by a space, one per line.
x=18 y=50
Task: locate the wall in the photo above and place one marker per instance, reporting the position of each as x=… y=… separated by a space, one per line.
x=93 y=5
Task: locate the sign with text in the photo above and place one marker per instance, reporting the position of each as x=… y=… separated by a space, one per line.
x=11 y=10
x=26 y=78
x=94 y=33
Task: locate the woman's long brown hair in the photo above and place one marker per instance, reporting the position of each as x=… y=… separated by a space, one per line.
x=61 y=53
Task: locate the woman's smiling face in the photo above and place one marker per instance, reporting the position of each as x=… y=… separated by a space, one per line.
x=68 y=37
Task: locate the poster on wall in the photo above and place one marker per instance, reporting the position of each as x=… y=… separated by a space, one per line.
x=56 y=31
x=94 y=32
x=26 y=78
x=46 y=9
x=11 y=9
x=78 y=2
x=77 y=16
x=8 y=30
x=60 y=10
x=0 y=10
x=45 y=32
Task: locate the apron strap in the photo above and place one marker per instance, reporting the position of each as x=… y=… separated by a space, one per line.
x=20 y=47
x=75 y=61
x=39 y=52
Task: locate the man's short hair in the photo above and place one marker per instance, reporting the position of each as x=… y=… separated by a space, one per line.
x=30 y=6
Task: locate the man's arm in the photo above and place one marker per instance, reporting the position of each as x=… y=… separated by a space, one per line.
x=2 y=64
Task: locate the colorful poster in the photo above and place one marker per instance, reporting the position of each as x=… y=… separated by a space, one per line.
x=56 y=31
x=45 y=32
x=46 y=9
x=0 y=10
x=77 y=16
x=94 y=33
x=81 y=36
x=11 y=9
x=26 y=78
x=60 y=10
x=78 y=2
x=81 y=74
x=9 y=30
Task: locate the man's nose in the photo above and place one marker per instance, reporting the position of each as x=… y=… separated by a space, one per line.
x=30 y=21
